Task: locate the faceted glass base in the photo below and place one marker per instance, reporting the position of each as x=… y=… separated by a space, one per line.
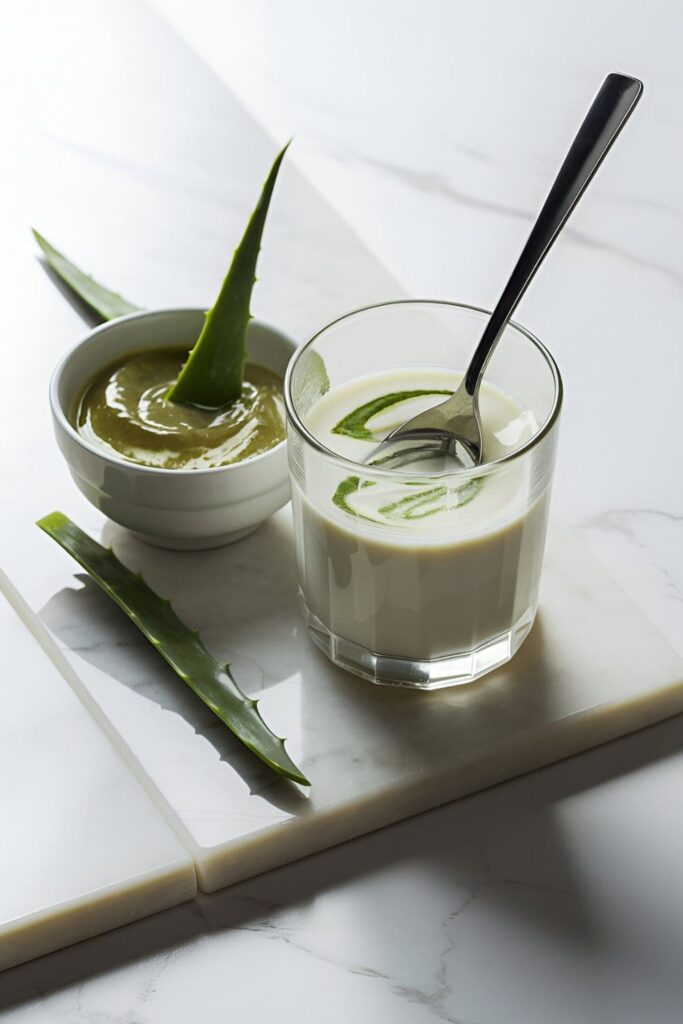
x=433 y=674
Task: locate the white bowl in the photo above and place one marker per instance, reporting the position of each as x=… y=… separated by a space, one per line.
x=173 y=508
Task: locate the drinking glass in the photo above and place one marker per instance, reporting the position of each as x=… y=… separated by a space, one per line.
x=420 y=600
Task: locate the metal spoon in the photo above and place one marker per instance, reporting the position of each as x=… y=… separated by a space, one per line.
x=453 y=428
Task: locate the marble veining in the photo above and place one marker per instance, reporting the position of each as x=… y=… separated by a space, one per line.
x=437 y=185
x=642 y=547
x=630 y=523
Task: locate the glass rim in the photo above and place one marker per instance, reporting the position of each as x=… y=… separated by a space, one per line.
x=294 y=418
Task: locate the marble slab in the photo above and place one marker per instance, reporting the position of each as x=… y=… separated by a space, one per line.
x=148 y=185
x=592 y=669
x=83 y=847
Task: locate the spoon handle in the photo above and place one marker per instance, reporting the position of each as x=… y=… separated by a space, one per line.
x=608 y=114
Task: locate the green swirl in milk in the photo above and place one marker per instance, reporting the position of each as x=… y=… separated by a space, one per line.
x=355 y=424
x=396 y=506
x=423 y=502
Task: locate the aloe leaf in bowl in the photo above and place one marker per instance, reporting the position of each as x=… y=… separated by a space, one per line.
x=179 y=645
x=212 y=376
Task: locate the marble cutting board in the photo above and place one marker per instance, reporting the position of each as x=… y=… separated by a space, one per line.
x=592 y=669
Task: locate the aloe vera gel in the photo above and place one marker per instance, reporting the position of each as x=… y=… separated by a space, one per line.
x=125 y=411
x=427 y=576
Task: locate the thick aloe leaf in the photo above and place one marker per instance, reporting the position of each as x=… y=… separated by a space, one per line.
x=355 y=424
x=180 y=646
x=212 y=375
x=108 y=305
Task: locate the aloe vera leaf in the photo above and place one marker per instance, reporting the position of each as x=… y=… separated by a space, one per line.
x=355 y=423
x=212 y=375
x=181 y=647
x=109 y=305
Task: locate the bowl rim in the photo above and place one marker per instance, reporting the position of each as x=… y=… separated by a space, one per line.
x=62 y=419
x=348 y=465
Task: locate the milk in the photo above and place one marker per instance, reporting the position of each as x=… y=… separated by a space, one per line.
x=421 y=567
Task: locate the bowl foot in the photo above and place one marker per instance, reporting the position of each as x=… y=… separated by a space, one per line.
x=195 y=543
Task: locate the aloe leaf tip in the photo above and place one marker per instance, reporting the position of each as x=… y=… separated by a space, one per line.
x=212 y=376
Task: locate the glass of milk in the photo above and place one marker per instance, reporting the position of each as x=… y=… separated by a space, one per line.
x=428 y=576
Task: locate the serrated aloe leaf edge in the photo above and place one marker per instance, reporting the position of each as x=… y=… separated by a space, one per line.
x=107 y=304
x=212 y=375
x=179 y=645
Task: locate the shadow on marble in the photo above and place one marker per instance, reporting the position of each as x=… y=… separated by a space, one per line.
x=425 y=717
x=502 y=847
x=111 y=643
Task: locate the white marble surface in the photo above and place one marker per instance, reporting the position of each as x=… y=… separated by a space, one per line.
x=555 y=897
x=84 y=848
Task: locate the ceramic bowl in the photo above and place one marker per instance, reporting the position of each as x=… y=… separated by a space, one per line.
x=174 y=508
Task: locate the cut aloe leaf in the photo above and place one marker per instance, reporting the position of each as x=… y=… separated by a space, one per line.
x=109 y=305
x=212 y=375
x=181 y=647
